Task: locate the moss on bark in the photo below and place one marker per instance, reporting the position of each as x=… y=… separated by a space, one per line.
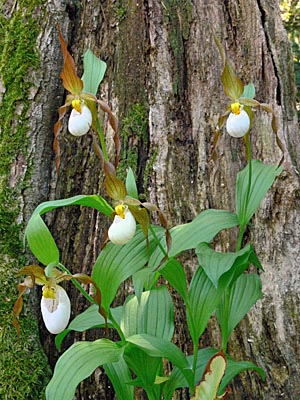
x=24 y=369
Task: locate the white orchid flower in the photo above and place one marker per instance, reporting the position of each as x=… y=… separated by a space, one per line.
x=56 y=308
x=123 y=228
x=80 y=119
x=238 y=122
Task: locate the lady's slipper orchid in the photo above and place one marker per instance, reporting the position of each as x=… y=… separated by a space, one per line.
x=56 y=308
x=80 y=119
x=123 y=228
x=238 y=122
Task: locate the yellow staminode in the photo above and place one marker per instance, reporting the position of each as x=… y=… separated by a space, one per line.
x=236 y=108
x=49 y=292
x=76 y=104
x=120 y=210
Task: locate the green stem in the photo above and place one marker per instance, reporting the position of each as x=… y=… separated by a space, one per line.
x=158 y=241
x=226 y=299
x=117 y=327
x=77 y=284
x=102 y=140
x=89 y=298
x=240 y=238
x=195 y=358
x=246 y=203
x=150 y=394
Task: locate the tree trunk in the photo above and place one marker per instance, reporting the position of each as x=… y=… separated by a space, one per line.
x=163 y=83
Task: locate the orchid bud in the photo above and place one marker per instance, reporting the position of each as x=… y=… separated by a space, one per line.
x=80 y=122
x=123 y=228
x=56 y=308
x=238 y=122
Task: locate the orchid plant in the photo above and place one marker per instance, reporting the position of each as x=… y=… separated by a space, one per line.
x=138 y=250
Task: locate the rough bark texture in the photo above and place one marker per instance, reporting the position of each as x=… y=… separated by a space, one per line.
x=163 y=83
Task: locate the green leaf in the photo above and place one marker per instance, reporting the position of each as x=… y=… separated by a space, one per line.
x=174 y=273
x=215 y=263
x=144 y=366
x=208 y=387
x=117 y=263
x=131 y=184
x=243 y=294
x=158 y=347
x=38 y=236
x=262 y=178
x=140 y=280
x=203 y=299
x=40 y=241
x=153 y=314
x=177 y=379
x=77 y=363
x=119 y=375
x=88 y=319
x=249 y=91
x=202 y=229
x=236 y=367
x=93 y=201
x=94 y=70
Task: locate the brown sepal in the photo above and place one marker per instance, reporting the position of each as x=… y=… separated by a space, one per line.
x=217 y=135
x=97 y=148
x=61 y=113
x=71 y=81
x=232 y=84
x=115 y=188
x=22 y=287
x=142 y=217
x=36 y=273
x=114 y=124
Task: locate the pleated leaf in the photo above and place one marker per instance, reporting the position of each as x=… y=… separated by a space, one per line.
x=202 y=229
x=152 y=314
x=177 y=379
x=145 y=367
x=77 y=363
x=38 y=236
x=216 y=264
x=174 y=273
x=262 y=179
x=117 y=263
x=119 y=375
x=88 y=319
x=203 y=299
x=131 y=184
x=94 y=70
x=243 y=294
x=157 y=347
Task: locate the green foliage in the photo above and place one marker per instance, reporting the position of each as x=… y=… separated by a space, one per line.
x=81 y=359
x=208 y=387
x=38 y=236
x=94 y=70
x=238 y=300
x=177 y=379
x=145 y=322
x=248 y=199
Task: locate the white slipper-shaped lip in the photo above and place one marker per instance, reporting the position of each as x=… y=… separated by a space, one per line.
x=56 y=309
x=80 y=123
x=122 y=230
